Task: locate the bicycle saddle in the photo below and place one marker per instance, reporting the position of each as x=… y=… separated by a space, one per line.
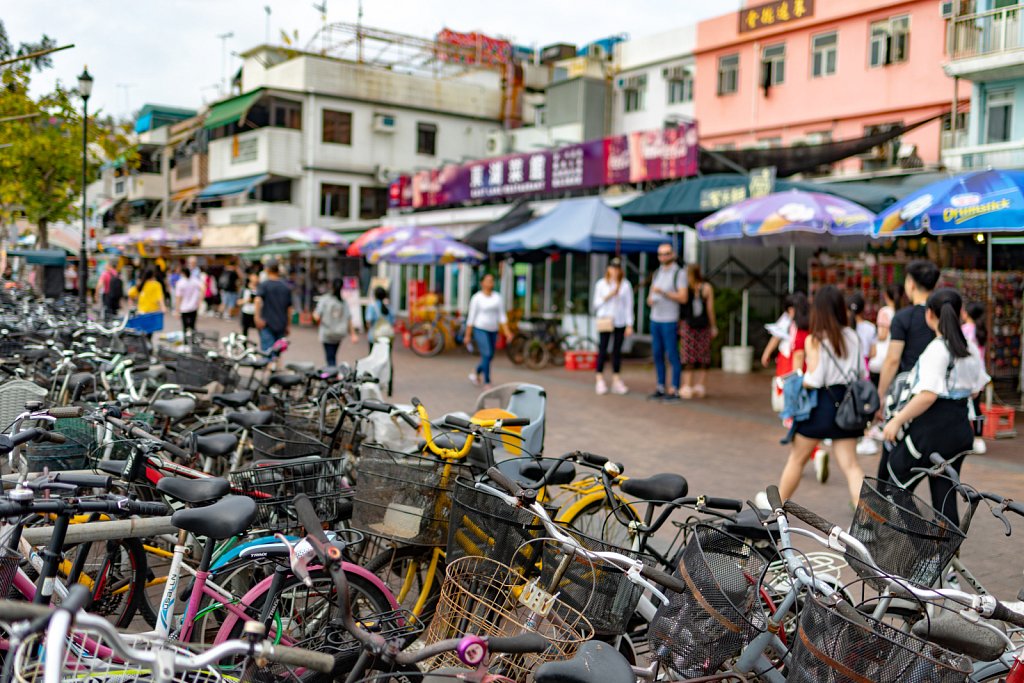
x=953 y=633
x=194 y=491
x=254 y=362
x=232 y=399
x=214 y=445
x=594 y=661
x=659 y=488
x=227 y=517
x=529 y=473
x=746 y=524
x=286 y=380
x=251 y=418
x=304 y=367
x=174 y=408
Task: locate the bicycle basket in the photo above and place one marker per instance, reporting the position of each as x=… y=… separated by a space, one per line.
x=404 y=497
x=73 y=454
x=479 y=596
x=9 y=560
x=277 y=442
x=830 y=648
x=273 y=484
x=342 y=645
x=483 y=525
x=904 y=534
x=14 y=394
x=701 y=628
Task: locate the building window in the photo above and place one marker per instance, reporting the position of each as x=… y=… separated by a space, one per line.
x=337 y=127
x=334 y=200
x=773 y=65
x=728 y=74
x=276 y=191
x=890 y=41
x=183 y=168
x=998 y=113
x=286 y=114
x=634 y=93
x=769 y=143
x=373 y=202
x=824 y=50
x=426 y=139
x=680 y=86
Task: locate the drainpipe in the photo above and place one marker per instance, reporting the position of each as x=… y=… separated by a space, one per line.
x=952 y=114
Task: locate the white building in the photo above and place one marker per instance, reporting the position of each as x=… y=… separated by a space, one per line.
x=655 y=80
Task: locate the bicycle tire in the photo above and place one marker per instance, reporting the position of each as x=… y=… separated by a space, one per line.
x=597 y=520
x=536 y=354
x=125 y=565
x=391 y=567
x=426 y=339
x=514 y=349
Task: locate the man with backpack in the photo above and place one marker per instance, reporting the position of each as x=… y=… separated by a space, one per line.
x=110 y=290
x=668 y=291
x=335 y=322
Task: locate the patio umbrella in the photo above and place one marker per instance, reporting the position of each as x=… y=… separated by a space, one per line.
x=372 y=240
x=426 y=250
x=311 y=234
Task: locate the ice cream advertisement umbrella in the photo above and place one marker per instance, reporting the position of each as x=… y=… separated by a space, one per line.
x=426 y=250
x=376 y=238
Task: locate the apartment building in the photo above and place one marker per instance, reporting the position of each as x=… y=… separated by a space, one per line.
x=655 y=80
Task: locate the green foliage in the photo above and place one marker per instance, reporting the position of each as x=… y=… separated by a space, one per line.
x=727 y=303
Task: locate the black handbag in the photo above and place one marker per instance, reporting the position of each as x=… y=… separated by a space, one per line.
x=857 y=409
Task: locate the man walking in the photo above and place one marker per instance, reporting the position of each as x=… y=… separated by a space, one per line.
x=668 y=290
x=273 y=307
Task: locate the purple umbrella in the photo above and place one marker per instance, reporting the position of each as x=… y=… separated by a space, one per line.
x=781 y=213
x=311 y=234
x=426 y=250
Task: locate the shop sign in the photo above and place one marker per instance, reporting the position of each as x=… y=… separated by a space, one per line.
x=719 y=197
x=774 y=13
x=762 y=181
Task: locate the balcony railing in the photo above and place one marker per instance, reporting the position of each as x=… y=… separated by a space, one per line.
x=994 y=155
x=987 y=33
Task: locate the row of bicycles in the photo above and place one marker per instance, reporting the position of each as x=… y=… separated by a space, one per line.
x=209 y=512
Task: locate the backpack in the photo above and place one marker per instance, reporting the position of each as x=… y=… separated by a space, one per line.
x=334 y=321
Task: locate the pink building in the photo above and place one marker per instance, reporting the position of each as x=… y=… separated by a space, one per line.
x=812 y=71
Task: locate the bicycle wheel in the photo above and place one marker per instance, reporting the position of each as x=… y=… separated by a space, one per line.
x=426 y=339
x=117 y=569
x=515 y=348
x=536 y=354
x=405 y=571
x=597 y=520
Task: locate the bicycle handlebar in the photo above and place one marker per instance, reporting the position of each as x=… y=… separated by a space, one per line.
x=79 y=597
x=139 y=433
x=65 y=411
x=810 y=518
x=506 y=484
x=520 y=644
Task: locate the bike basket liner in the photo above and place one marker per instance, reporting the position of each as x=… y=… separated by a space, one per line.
x=278 y=442
x=906 y=536
x=73 y=454
x=479 y=596
x=719 y=613
x=830 y=648
x=404 y=497
x=483 y=525
x=273 y=484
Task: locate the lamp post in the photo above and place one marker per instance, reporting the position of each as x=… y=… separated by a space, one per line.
x=84 y=89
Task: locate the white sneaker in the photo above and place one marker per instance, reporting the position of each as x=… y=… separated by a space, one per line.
x=821 y=465
x=979 y=446
x=761 y=501
x=619 y=388
x=867 y=446
x=474 y=379
x=601 y=388
x=876 y=432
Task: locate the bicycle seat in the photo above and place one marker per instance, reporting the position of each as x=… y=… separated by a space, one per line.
x=227 y=517
x=954 y=633
x=251 y=418
x=286 y=380
x=232 y=399
x=746 y=524
x=254 y=363
x=659 y=488
x=194 y=491
x=305 y=367
x=174 y=408
x=216 y=445
x=114 y=468
x=80 y=379
x=529 y=473
x=593 y=661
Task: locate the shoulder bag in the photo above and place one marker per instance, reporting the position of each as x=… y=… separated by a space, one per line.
x=856 y=410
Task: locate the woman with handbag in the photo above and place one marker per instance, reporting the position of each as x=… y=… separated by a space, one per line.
x=697 y=329
x=834 y=362
x=613 y=308
x=937 y=418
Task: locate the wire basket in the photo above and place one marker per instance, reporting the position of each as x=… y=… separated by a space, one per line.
x=9 y=560
x=479 y=596
x=279 y=442
x=274 y=485
x=830 y=648
x=404 y=497
x=73 y=454
x=342 y=645
x=904 y=534
x=711 y=622
x=14 y=394
x=200 y=370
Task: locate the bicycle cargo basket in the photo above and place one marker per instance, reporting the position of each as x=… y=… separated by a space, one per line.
x=904 y=534
x=485 y=526
x=404 y=497
x=719 y=613
x=73 y=454
x=479 y=596
x=277 y=442
x=14 y=394
x=273 y=484
x=830 y=648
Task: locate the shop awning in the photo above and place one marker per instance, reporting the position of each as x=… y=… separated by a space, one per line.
x=516 y=216
x=230 y=111
x=40 y=257
x=281 y=248
x=184 y=194
x=226 y=188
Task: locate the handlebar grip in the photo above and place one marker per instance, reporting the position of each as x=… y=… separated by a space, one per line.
x=297 y=656
x=937 y=459
x=1004 y=613
x=1017 y=508
x=458 y=422
x=408 y=419
x=18 y=610
x=308 y=518
x=724 y=504
x=26 y=435
x=774 y=497
x=416 y=403
x=84 y=481
x=55 y=437
x=672 y=583
x=521 y=644
x=811 y=518
x=503 y=482
x=594 y=459
x=10 y=509
x=850 y=612
x=79 y=597
x=65 y=411
x=515 y=422
x=148 y=509
x=376 y=406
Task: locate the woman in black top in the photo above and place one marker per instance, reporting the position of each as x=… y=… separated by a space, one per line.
x=697 y=329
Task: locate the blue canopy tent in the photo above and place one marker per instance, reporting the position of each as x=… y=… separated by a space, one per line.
x=584 y=225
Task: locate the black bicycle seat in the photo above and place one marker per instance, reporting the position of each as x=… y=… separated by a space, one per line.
x=233 y=399
x=174 y=408
x=227 y=517
x=251 y=418
x=305 y=367
x=194 y=491
x=658 y=488
x=530 y=473
x=216 y=445
x=286 y=380
x=594 y=661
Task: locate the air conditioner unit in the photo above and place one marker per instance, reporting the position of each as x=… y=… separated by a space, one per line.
x=383 y=123
x=946 y=9
x=384 y=175
x=496 y=143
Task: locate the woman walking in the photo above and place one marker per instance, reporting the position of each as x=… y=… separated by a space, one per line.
x=613 y=307
x=379 y=318
x=335 y=322
x=485 y=319
x=698 y=328
x=248 y=303
x=833 y=361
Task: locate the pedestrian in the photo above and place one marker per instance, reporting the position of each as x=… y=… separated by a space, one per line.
x=892 y=295
x=972 y=324
x=228 y=284
x=909 y=335
x=273 y=313
x=697 y=328
x=70 y=279
x=335 y=322
x=936 y=418
x=148 y=295
x=248 y=302
x=188 y=294
x=380 y=320
x=833 y=360
x=101 y=284
x=485 y=319
x=613 y=307
x=668 y=285
x=867 y=333
x=113 y=292
x=211 y=295
x=789 y=336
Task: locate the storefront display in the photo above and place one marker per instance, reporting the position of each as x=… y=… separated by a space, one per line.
x=867 y=274
x=1004 y=344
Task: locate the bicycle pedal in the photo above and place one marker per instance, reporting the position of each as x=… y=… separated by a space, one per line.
x=536 y=599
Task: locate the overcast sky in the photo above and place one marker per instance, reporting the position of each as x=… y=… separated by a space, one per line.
x=167 y=51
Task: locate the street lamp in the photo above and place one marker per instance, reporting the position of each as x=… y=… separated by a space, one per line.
x=84 y=89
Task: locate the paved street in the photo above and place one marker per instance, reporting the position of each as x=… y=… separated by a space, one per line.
x=726 y=444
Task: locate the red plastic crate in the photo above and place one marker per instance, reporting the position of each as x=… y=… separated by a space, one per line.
x=998 y=422
x=581 y=360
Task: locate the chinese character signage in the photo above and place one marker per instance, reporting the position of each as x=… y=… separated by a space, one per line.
x=719 y=197
x=661 y=154
x=774 y=13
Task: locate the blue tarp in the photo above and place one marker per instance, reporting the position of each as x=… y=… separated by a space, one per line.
x=586 y=224
x=225 y=188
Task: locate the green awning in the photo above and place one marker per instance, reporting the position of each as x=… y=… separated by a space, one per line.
x=280 y=248
x=40 y=257
x=230 y=111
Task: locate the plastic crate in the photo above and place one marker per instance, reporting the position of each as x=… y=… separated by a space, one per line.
x=998 y=422
x=581 y=360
